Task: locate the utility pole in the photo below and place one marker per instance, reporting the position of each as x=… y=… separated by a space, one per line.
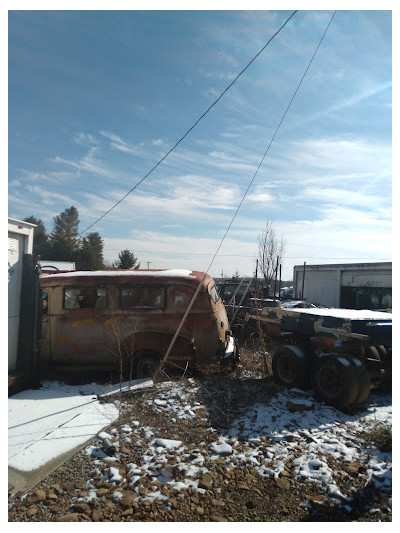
x=148 y=265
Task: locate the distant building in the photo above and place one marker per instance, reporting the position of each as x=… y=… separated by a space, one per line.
x=48 y=266
x=349 y=286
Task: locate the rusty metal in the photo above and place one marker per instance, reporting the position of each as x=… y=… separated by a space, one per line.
x=93 y=337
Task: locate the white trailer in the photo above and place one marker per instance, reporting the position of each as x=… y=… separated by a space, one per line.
x=20 y=242
x=348 y=286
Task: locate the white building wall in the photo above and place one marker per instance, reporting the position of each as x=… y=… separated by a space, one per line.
x=320 y=287
x=322 y=283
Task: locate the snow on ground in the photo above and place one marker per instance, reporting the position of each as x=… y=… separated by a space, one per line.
x=265 y=437
x=46 y=423
x=290 y=427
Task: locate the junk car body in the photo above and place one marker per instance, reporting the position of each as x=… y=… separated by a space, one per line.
x=99 y=319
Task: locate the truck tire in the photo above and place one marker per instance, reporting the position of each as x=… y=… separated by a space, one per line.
x=335 y=380
x=364 y=380
x=290 y=367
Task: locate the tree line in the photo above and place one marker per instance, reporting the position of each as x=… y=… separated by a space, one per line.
x=64 y=243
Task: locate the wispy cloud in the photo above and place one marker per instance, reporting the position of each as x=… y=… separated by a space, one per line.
x=48 y=197
x=88 y=163
x=344 y=197
x=188 y=197
x=85 y=139
x=121 y=145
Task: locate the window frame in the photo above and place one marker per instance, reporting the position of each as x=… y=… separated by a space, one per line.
x=81 y=288
x=161 y=288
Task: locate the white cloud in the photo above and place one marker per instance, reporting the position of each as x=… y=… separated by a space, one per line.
x=343 y=197
x=85 y=139
x=119 y=144
x=87 y=163
x=48 y=197
x=185 y=198
x=168 y=251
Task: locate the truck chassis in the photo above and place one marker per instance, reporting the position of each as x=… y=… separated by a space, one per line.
x=341 y=353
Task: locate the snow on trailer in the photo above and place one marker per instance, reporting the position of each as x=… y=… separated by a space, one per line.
x=340 y=353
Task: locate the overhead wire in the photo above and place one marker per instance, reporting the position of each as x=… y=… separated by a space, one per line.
x=192 y=127
x=172 y=252
x=190 y=305
x=272 y=139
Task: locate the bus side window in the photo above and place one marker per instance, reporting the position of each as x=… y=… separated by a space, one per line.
x=142 y=297
x=84 y=298
x=71 y=299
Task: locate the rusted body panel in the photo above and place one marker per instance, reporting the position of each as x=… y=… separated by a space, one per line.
x=94 y=317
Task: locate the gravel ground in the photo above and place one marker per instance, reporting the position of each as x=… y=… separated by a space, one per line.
x=179 y=479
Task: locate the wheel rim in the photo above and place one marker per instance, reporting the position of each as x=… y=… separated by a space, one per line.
x=329 y=382
x=286 y=368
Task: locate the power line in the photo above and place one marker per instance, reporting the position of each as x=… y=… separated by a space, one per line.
x=192 y=127
x=171 y=252
x=271 y=141
x=164 y=359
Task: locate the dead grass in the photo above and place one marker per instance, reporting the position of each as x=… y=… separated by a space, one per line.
x=380 y=437
x=255 y=361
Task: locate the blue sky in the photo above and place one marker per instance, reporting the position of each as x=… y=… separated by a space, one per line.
x=97 y=98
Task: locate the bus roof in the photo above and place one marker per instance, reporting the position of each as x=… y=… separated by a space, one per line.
x=170 y=274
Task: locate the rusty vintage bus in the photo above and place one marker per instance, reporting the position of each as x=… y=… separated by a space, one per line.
x=102 y=319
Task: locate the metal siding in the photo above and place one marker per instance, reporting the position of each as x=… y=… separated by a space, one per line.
x=366 y=278
x=321 y=288
x=15 y=252
x=322 y=282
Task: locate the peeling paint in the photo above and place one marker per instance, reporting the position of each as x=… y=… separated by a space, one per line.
x=62 y=338
x=87 y=322
x=111 y=322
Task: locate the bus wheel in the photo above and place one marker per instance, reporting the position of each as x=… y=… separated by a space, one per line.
x=364 y=380
x=290 y=367
x=335 y=380
x=145 y=364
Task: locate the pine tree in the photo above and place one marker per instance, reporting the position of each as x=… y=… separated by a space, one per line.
x=41 y=242
x=65 y=237
x=126 y=260
x=90 y=256
x=236 y=275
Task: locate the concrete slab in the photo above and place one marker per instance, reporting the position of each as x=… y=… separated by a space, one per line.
x=49 y=425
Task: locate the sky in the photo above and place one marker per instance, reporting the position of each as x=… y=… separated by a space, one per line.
x=302 y=137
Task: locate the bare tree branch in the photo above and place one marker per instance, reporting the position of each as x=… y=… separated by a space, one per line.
x=270 y=249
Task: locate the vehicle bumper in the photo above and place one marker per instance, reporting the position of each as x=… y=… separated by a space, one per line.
x=231 y=352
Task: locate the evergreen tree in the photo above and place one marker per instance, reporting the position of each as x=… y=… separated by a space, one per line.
x=90 y=255
x=41 y=242
x=65 y=236
x=126 y=260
